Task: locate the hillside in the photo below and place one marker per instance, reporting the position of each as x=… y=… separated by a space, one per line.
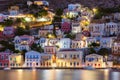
x=89 y=3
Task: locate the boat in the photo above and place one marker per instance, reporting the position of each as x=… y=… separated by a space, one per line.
x=7 y=68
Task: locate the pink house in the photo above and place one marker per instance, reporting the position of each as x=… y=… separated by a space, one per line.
x=4 y=59
x=66 y=27
x=50 y=49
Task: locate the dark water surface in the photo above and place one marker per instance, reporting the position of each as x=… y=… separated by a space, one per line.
x=59 y=74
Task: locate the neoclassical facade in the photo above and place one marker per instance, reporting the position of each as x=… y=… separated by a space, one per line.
x=94 y=60
x=69 y=58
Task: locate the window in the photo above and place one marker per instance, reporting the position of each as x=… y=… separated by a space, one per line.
x=11 y=64
x=27 y=64
x=0 y=64
x=77 y=63
x=65 y=55
x=37 y=64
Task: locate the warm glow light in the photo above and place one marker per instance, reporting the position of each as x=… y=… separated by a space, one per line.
x=42 y=20
x=28 y=19
x=54 y=65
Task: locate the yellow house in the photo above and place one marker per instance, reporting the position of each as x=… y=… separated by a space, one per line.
x=16 y=60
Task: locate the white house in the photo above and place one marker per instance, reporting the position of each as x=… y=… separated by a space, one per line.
x=69 y=58
x=95 y=61
x=90 y=40
x=23 y=42
x=42 y=42
x=106 y=42
x=72 y=7
x=76 y=28
x=111 y=29
x=14 y=10
x=32 y=59
x=77 y=44
x=65 y=43
x=96 y=29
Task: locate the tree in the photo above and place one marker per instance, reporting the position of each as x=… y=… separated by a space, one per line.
x=16 y=51
x=70 y=35
x=59 y=12
x=7 y=45
x=41 y=13
x=94 y=45
x=8 y=22
x=36 y=47
x=23 y=54
x=21 y=31
x=91 y=50
x=104 y=52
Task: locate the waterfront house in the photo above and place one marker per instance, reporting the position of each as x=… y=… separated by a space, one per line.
x=16 y=60
x=94 y=60
x=46 y=60
x=4 y=59
x=32 y=59
x=69 y=58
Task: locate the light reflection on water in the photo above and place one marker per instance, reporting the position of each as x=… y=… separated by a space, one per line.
x=57 y=74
